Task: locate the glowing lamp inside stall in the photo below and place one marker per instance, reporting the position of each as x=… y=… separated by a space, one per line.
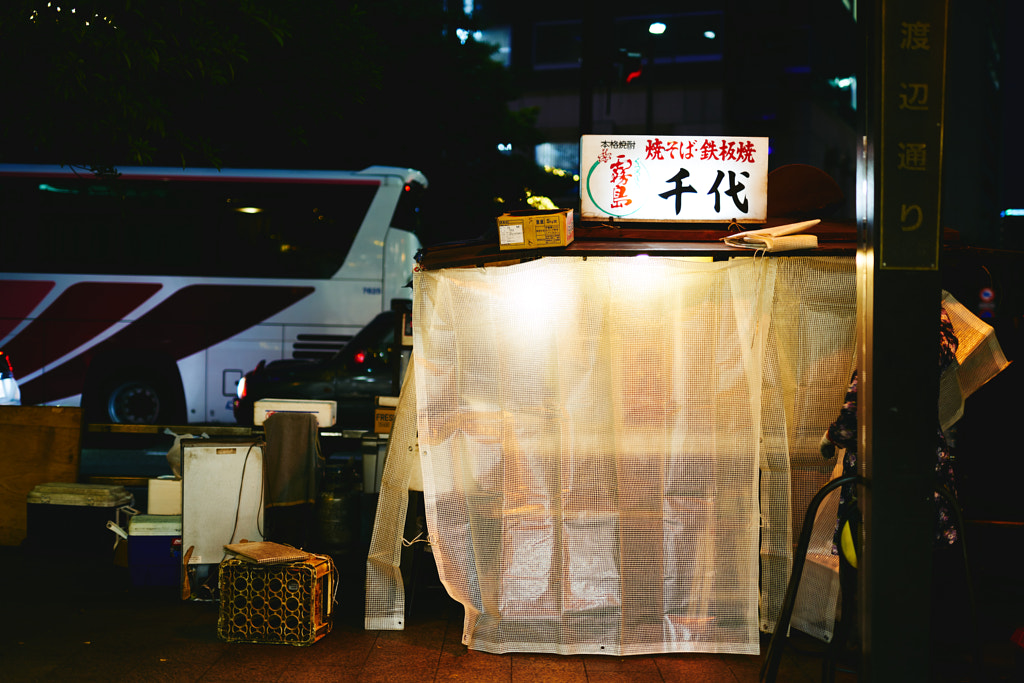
x=538 y=314
x=647 y=279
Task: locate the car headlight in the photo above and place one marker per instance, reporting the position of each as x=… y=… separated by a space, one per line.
x=10 y=393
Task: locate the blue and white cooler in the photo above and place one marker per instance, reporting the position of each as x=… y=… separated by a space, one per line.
x=154 y=550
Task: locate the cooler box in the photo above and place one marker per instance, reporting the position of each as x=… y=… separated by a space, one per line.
x=154 y=550
x=71 y=519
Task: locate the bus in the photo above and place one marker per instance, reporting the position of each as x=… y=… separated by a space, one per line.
x=144 y=294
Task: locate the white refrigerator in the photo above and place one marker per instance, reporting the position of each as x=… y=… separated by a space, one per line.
x=222 y=502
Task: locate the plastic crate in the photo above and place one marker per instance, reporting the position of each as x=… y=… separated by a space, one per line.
x=286 y=603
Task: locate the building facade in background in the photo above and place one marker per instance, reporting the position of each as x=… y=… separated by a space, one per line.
x=792 y=71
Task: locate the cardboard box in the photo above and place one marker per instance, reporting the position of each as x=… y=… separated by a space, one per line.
x=41 y=444
x=164 y=496
x=535 y=229
x=383 y=420
x=326 y=411
x=384 y=414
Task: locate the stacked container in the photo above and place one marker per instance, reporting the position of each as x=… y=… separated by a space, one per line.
x=70 y=519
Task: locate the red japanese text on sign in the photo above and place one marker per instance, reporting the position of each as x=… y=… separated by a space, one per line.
x=620 y=181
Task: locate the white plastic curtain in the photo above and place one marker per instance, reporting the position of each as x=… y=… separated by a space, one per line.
x=608 y=446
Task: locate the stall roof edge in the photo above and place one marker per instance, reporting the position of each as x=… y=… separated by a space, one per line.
x=835 y=238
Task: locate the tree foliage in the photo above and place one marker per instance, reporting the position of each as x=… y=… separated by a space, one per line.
x=264 y=83
x=109 y=82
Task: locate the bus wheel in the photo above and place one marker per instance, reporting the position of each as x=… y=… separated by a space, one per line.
x=141 y=396
x=125 y=387
x=134 y=402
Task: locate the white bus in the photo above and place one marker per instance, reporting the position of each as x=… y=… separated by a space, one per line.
x=145 y=296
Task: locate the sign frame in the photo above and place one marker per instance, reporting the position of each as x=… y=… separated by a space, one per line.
x=914 y=38
x=679 y=179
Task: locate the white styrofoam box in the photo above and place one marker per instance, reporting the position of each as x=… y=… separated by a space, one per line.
x=164 y=496
x=326 y=411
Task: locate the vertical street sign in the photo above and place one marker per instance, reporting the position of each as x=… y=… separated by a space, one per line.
x=912 y=91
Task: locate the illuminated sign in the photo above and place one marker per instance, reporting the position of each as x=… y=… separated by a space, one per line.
x=673 y=178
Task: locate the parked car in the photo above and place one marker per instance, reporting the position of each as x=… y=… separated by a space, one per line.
x=10 y=392
x=360 y=371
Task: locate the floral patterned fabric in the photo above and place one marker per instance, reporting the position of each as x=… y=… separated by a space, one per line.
x=842 y=433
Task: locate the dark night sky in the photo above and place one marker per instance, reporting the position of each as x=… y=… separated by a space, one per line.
x=1013 y=109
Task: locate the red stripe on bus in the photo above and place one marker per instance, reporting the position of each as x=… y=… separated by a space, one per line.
x=18 y=298
x=192 y=319
x=81 y=312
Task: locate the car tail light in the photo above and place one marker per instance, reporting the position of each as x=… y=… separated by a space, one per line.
x=241 y=391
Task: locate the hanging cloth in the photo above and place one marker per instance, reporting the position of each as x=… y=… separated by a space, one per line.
x=290 y=477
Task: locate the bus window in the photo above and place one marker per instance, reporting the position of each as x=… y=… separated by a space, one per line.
x=181 y=228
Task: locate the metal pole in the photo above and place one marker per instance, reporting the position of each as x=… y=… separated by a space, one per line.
x=898 y=308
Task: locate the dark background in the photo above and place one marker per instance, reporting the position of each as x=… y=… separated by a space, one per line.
x=340 y=85
x=1013 y=107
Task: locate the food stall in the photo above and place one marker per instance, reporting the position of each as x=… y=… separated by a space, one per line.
x=617 y=437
